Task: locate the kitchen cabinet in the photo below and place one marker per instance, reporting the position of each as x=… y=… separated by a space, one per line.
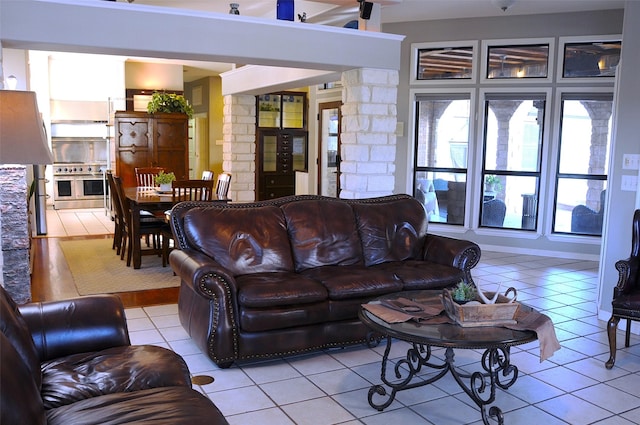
x=150 y=140
x=282 y=143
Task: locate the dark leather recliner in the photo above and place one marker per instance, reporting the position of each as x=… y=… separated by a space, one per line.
x=71 y=362
x=626 y=293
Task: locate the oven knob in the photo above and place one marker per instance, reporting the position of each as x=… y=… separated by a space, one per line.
x=66 y=169
x=79 y=168
x=89 y=169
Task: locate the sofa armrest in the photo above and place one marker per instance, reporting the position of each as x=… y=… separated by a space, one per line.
x=208 y=305
x=459 y=253
x=76 y=325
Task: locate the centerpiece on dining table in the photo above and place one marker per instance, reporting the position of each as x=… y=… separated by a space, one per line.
x=164 y=180
x=469 y=306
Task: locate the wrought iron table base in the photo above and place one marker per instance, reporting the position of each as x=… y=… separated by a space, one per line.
x=497 y=372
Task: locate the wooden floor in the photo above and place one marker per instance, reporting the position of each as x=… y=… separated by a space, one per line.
x=51 y=278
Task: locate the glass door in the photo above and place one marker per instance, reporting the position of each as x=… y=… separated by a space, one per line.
x=329 y=149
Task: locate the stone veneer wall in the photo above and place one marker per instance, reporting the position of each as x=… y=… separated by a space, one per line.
x=14 y=233
x=369 y=118
x=239 y=145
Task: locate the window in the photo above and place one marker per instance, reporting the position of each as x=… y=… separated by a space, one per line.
x=583 y=161
x=442 y=144
x=512 y=160
x=588 y=57
x=517 y=61
x=433 y=63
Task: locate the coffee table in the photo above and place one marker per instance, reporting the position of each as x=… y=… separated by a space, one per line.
x=496 y=368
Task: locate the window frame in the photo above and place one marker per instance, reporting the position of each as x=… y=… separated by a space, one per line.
x=411 y=153
x=563 y=41
x=415 y=47
x=479 y=169
x=486 y=44
x=555 y=159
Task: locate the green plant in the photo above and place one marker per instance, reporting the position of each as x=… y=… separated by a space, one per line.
x=170 y=103
x=165 y=178
x=463 y=292
x=493 y=180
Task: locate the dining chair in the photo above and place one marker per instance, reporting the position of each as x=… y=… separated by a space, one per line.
x=207 y=175
x=116 y=208
x=192 y=190
x=222 y=185
x=626 y=294
x=145 y=176
x=184 y=190
x=149 y=226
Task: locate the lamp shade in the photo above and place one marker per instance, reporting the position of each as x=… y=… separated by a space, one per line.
x=22 y=135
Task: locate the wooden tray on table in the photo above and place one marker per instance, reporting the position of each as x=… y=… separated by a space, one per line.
x=503 y=312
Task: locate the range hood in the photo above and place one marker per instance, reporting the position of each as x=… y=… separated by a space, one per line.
x=72 y=111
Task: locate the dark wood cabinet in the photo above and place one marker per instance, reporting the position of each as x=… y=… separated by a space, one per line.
x=282 y=142
x=151 y=140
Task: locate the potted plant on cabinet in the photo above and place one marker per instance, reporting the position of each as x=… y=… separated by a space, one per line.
x=169 y=103
x=164 y=180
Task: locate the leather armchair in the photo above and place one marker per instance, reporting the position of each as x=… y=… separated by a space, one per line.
x=71 y=362
x=626 y=294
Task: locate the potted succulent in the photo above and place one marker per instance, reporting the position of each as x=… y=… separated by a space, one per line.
x=164 y=180
x=463 y=292
x=169 y=103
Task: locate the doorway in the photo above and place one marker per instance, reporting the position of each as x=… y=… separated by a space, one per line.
x=198 y=145
x=329 y=148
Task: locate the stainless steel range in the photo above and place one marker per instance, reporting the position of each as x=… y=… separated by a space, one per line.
x=80 y=162
x=79 y=185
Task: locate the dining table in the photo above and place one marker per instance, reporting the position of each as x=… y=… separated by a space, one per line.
x=147 y=199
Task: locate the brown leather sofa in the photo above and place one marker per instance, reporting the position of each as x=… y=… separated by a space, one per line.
x=286 y=276
x=71 y=362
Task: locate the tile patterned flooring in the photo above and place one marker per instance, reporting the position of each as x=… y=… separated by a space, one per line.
x=572 y=387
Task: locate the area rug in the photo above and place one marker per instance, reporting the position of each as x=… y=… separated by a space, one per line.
x=96 y=269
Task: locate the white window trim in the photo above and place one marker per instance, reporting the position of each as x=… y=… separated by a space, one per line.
x=412 y=139
x=413 y=78
x=550 y=41
x=477 y=181
x=553 y=162
x=562 y=41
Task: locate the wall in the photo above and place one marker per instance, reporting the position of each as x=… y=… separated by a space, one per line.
x=619 y=214
x=503 y=27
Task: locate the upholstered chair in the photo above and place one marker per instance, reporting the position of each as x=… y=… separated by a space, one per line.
x=626 y=294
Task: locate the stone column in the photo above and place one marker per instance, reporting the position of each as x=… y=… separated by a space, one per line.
x=600 y=113
x=239 y=146
x=14 y=233
x=369 y=117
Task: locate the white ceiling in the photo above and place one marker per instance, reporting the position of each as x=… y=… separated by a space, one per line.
x=339 y=12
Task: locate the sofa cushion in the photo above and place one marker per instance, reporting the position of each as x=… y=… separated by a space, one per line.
x=20 y=401
x=17 y=333
x=322 y=232
x=157 y=406
x=416 y=274
x=243 y=240
x=278 y=289
x=120 y=369
x=391 y=231
x=281 y=317
x=355 y=281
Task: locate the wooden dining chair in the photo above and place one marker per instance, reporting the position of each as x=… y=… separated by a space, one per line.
x=207 y=175
x=149 y=226
x=222 y=185
x=192 y=190
x=184 y=190
x=116 y=208
x=145 y=176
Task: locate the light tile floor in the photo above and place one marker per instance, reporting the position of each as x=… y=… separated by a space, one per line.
x=572 y=387
x=78 y=222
